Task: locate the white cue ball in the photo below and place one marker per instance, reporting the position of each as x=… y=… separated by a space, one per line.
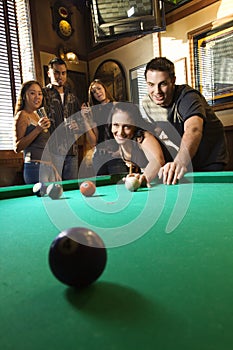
x=132 y=183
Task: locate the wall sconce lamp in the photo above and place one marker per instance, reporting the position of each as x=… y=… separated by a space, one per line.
x=68 y=55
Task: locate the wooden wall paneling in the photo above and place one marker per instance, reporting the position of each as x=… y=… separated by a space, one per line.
x=11 y=168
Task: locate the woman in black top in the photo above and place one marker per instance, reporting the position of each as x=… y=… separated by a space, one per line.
x=138 y=146
x=106 y=158
x=31 y=134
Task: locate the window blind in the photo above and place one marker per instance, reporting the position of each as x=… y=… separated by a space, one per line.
x=17 y=64
x=213 y=60
x=138 y=86
x=25 y=39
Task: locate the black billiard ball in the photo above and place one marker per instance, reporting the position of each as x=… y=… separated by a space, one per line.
x=77 y=257
x=39 y=189
x=54 y=191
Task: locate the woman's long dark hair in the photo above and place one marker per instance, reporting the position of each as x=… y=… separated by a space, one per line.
x=20 y=104
x=141 y=125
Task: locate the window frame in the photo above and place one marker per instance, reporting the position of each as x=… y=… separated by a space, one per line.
x=210 y=28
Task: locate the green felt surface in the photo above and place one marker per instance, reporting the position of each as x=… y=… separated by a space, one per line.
x=168 y=283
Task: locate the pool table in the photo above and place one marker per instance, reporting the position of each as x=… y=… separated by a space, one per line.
x=168 y=281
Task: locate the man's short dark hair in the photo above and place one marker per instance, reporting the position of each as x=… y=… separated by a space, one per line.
x=161 y=64
x=56 y=60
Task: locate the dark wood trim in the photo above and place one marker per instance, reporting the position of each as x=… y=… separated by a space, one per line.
x=5 y=154
x=187 y=9
x=35 y=39
x=11 y=168
x=223 y=106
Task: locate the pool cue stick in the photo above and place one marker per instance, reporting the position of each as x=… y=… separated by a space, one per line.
x=130 y=169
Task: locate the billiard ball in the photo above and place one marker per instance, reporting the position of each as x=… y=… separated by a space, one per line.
x=77 y=257
x=87 y=188
x=132 y=183
x=54 y=191
x=39 y=189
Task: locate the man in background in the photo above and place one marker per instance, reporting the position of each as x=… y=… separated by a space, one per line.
x=60 y=104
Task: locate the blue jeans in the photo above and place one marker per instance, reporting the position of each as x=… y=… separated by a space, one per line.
x=67 y=166
x=34 y=172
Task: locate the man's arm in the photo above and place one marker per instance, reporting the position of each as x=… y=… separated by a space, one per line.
x=171 y=172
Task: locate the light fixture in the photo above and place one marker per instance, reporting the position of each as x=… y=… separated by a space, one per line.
x=68 y=55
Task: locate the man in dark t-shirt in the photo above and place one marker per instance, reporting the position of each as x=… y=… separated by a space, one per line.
x=184 y=121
